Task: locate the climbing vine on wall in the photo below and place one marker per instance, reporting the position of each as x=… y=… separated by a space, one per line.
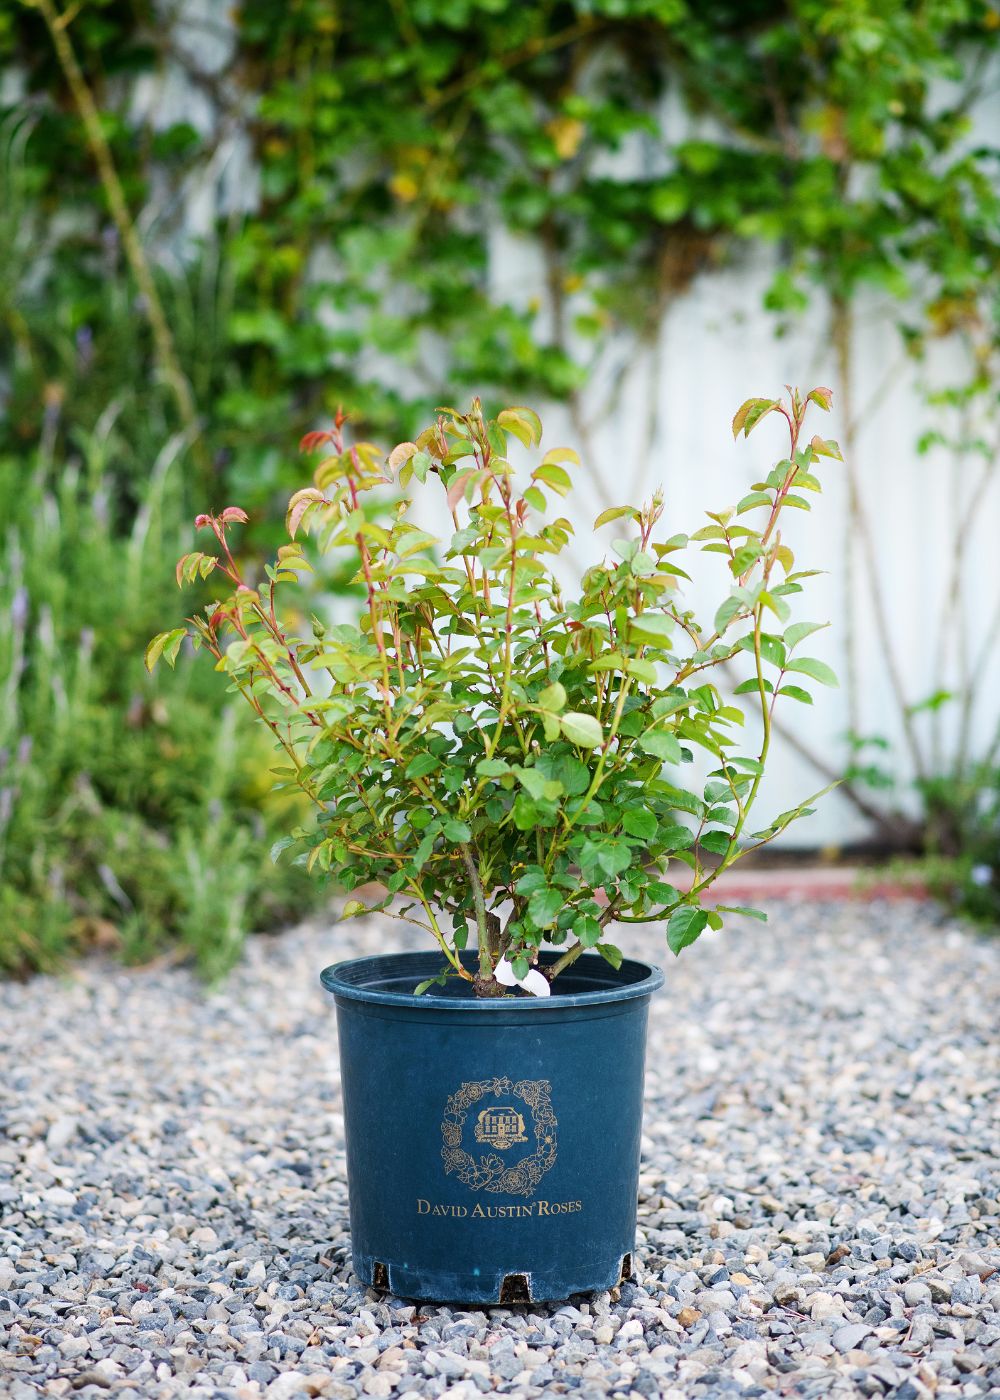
x=383 y=147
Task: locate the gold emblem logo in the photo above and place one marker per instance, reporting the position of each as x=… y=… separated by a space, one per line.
x=500 y=1125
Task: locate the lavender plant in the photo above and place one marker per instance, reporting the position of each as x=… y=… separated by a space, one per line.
x=504 y=758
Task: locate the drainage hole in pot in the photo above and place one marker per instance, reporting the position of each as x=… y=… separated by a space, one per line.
x=380 y=1276
x=626 y=1272
x=515 y=1289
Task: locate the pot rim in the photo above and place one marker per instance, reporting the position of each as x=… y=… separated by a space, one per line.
x=347 y=981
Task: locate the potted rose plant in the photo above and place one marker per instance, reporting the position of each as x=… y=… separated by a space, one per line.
x=504 y=761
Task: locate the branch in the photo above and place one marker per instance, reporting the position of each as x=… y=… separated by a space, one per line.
x=163 y=341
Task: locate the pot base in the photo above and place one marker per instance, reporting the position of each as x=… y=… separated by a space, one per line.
x=550 y=1285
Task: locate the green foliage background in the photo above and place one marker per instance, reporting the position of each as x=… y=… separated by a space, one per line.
x=391 y=139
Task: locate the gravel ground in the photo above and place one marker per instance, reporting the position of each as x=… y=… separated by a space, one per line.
x=819 y=1212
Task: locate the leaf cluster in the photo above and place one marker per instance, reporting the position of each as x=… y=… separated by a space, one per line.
x=500 y=752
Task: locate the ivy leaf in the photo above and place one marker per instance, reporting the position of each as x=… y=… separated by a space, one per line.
x=685 y=926
x=581 y=729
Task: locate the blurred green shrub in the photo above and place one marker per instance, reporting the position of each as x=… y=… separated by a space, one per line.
x=963 y=825
x=129 y=813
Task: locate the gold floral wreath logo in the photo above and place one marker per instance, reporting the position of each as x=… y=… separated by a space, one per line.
x=500 y=1127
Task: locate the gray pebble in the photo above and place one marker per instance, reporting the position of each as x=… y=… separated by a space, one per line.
x=817 y=1209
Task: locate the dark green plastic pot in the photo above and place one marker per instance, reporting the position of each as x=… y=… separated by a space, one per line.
x=492 y=1144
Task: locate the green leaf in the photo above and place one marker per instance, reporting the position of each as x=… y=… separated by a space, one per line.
x=715 y=841
x=524 y=423
x=614 y=513
x=625 y=549
x=755 y=498
x=534 y=782
x=352 y=909
x=653 y=624
x=675 y=837
x=642 y=670
x=818 y=670
x=611 y=954
x=544 y=907
x=749 y=414
x=822 y=397
x=587 y=930
x=423 y=764
x=454 y=830
x=640 y=823
x=726 y=612
x=165 y=644
x=684 y=927
x=556 y=477
x=493 y=768
x=421 y=987
x=661 y=745
x=797 y=693
x=582 y=729
x=553 y=698
x=561 y=454
x=743 y=909
x=535 y=498
x=800 y=630
x=531 y=881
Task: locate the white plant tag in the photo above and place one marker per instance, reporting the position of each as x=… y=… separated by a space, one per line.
x=533 y=981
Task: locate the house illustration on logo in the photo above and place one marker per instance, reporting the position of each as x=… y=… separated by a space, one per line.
x=500 y=1127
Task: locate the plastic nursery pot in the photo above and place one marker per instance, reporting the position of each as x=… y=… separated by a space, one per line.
x=492 y=1144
